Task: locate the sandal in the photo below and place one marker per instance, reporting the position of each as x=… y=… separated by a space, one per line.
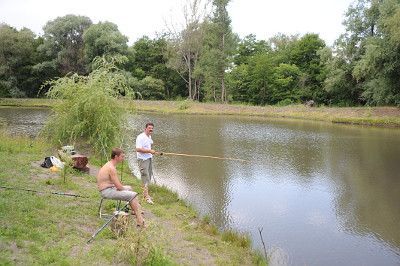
x=141 y=226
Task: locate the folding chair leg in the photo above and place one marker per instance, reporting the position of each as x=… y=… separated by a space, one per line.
x=117 y=206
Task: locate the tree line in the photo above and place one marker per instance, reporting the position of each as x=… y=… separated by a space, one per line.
x=207 y=61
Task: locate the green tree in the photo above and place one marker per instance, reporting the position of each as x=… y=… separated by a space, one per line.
x=151 y=88
x=277 y=71
x=147 y=53
x=248 y=47
x=304 y=54
x=218 y=51
x=379 y=66
x=104 y=38
x=339 y=84
x=17 y=58
x=286 y=80
x=149 y=58
x=238 y=81
x=342 y=86
x=63 y=46
x=364 y=68
x=261 y=70
x=186 y=45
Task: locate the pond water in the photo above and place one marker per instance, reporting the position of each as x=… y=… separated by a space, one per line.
x=323 y=194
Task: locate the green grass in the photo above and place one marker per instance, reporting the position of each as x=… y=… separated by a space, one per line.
x=369 y=121
x=46 y=229
x=241 y=240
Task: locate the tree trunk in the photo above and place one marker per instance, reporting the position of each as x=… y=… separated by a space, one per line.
x=223 y=93
x=190 y=75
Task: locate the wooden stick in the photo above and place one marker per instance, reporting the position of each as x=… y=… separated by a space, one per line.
x=203 y=156
x=262 y=240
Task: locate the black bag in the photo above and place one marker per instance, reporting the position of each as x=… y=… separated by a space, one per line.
x=47 y=163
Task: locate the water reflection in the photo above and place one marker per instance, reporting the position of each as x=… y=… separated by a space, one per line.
x=324 y=194
x=24 y=121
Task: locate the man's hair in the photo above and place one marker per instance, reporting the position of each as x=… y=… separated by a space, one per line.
x=149 y=124
x=116 y=152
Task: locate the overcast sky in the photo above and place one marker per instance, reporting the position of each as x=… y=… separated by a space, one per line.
x=136 y=18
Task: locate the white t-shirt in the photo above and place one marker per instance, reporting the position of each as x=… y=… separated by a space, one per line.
x=144 y=141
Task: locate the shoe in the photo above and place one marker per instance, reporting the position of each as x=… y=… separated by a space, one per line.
x=126 y=209
x=149 y=201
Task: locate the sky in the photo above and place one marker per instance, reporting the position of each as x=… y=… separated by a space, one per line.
x=136 y=18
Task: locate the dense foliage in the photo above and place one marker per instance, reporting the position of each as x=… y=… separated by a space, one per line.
x=89 y=110
x=206 y=61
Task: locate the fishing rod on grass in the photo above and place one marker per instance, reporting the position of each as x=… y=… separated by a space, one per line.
x=45 y=192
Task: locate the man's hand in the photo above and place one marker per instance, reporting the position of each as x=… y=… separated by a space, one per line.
x=152 y=151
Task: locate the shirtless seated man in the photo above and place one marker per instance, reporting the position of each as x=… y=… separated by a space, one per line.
x=111 y=188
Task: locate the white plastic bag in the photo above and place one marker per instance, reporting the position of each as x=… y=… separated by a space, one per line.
x=56 y=162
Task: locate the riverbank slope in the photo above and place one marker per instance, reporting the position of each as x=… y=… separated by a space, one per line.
x=44 y=228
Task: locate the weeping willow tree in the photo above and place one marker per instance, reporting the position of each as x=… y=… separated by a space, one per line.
x=89 y=110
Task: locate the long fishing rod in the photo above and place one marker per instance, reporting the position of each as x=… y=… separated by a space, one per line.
x=44 y=192
x=203 y=156
x=122 y=171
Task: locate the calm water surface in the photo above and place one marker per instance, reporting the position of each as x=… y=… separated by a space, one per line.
x=324 y=194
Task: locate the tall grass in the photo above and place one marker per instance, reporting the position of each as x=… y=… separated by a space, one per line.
x=89 y=110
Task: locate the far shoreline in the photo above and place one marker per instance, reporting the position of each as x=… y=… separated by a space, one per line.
x=386 y=117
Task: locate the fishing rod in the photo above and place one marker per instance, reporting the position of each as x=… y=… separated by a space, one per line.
x=203 y=156
x=44 y=192
x=122 y=171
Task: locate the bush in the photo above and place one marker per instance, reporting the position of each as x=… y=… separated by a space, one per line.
x=151 y=88
x=184 y=105
x=285 y=102
x=89 y=110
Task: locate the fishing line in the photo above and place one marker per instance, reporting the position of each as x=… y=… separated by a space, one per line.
x=203 y=156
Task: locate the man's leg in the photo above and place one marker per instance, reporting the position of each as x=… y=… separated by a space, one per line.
x=127 y=195
x=137 y=211
x=145 y=171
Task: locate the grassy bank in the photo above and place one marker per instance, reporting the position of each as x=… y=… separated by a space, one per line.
x=367 y=116
x=43 y=228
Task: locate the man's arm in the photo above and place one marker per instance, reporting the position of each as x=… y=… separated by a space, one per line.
x=143 y=150
x=114 y=179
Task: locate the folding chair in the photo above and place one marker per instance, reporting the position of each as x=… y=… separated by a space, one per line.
x=117 y=207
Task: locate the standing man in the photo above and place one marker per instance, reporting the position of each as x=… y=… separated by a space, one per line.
x=144 y=156
x=111 y=188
